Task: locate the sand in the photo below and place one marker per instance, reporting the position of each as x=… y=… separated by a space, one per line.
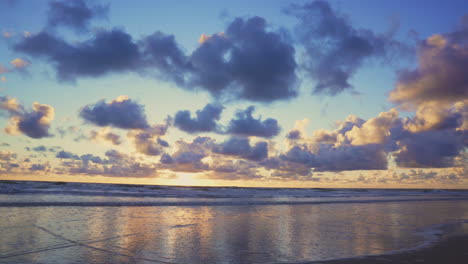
x=453 y=250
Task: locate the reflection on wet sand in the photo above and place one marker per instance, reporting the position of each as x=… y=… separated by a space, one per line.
x=215 y=234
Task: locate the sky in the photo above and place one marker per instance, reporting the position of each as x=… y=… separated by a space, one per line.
x=349 y=94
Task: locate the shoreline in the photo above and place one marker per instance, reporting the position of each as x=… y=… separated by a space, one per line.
x=449 y=250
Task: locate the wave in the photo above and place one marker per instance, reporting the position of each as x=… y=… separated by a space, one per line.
x=215 y=202
x=125 y=190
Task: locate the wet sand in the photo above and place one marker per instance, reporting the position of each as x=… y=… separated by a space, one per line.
x=453 y=250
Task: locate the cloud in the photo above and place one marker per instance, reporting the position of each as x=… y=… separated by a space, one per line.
x=121 y=113
x=294 y=134
x=342 y=158
x=38 y=167
x=233 y=170
x=375 y=130
x=162 y=53
x=246 y=62
x=148 y=143
x=240 y=147
x=41 y=148
x=435 y=116
x=19 y=63
x=335 y=49
x=430 y=149
x=117 y=164
x=109 y=51
x=75 y=14
x=7 y=155
x=104 y=135
x=188 y=156
x=66 y=155
x=9 y=104
x=205 y=120
x=34 y=124
x=244 y=124
x=440 y=75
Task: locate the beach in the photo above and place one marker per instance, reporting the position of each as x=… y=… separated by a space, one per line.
x=453 y=250
x=93 y=223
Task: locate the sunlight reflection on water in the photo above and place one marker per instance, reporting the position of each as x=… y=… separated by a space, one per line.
x=216 y=234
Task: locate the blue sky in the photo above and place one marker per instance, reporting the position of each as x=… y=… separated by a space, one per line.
x=380 y=85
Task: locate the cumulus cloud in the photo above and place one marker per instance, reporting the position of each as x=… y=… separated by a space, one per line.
x=437 y=149
x=39 y=167
x=205 y=120
x=66 y=155
x=435 y=116
x=342 y=158
x=233 y=170
x=34 y=124
x=75 y=14
x=162 y=55
x=335 y=49
x=7 y=155
x=121 y=113
x=105 y=135
x=240 y=147
x=116 y=164
x=246 y=125
x=188 y=157
x=375 y=130
x=9 y=104
x=440 y=75
x=108 y=51
x=148 y=143
x=40 y=148
x=247 y=61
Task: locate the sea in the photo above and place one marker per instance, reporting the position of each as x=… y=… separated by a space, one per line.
x=59 y=222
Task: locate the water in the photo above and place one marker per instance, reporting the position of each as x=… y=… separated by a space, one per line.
x=83 y=223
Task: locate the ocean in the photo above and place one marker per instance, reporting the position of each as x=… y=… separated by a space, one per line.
x=58 y=222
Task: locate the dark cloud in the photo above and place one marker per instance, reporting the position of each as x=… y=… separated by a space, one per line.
x=335 y=49
x=363 y=157
x=233 y=170
x=121 y=112
x=147 y=143
x=109 y=51
x=301 y=155
x=205 y=120
x=342 y=158
x=86 y=158
x=294 y=134
x=240 y=147
x=426 y=149
x=66 y=155
x=162 y=53
x=188 y=156
x=166 y=159
x=41 y=148
x=34 y=124
x=38 y=167
x=75 y=14
x=247 y=62
x=244 y=124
